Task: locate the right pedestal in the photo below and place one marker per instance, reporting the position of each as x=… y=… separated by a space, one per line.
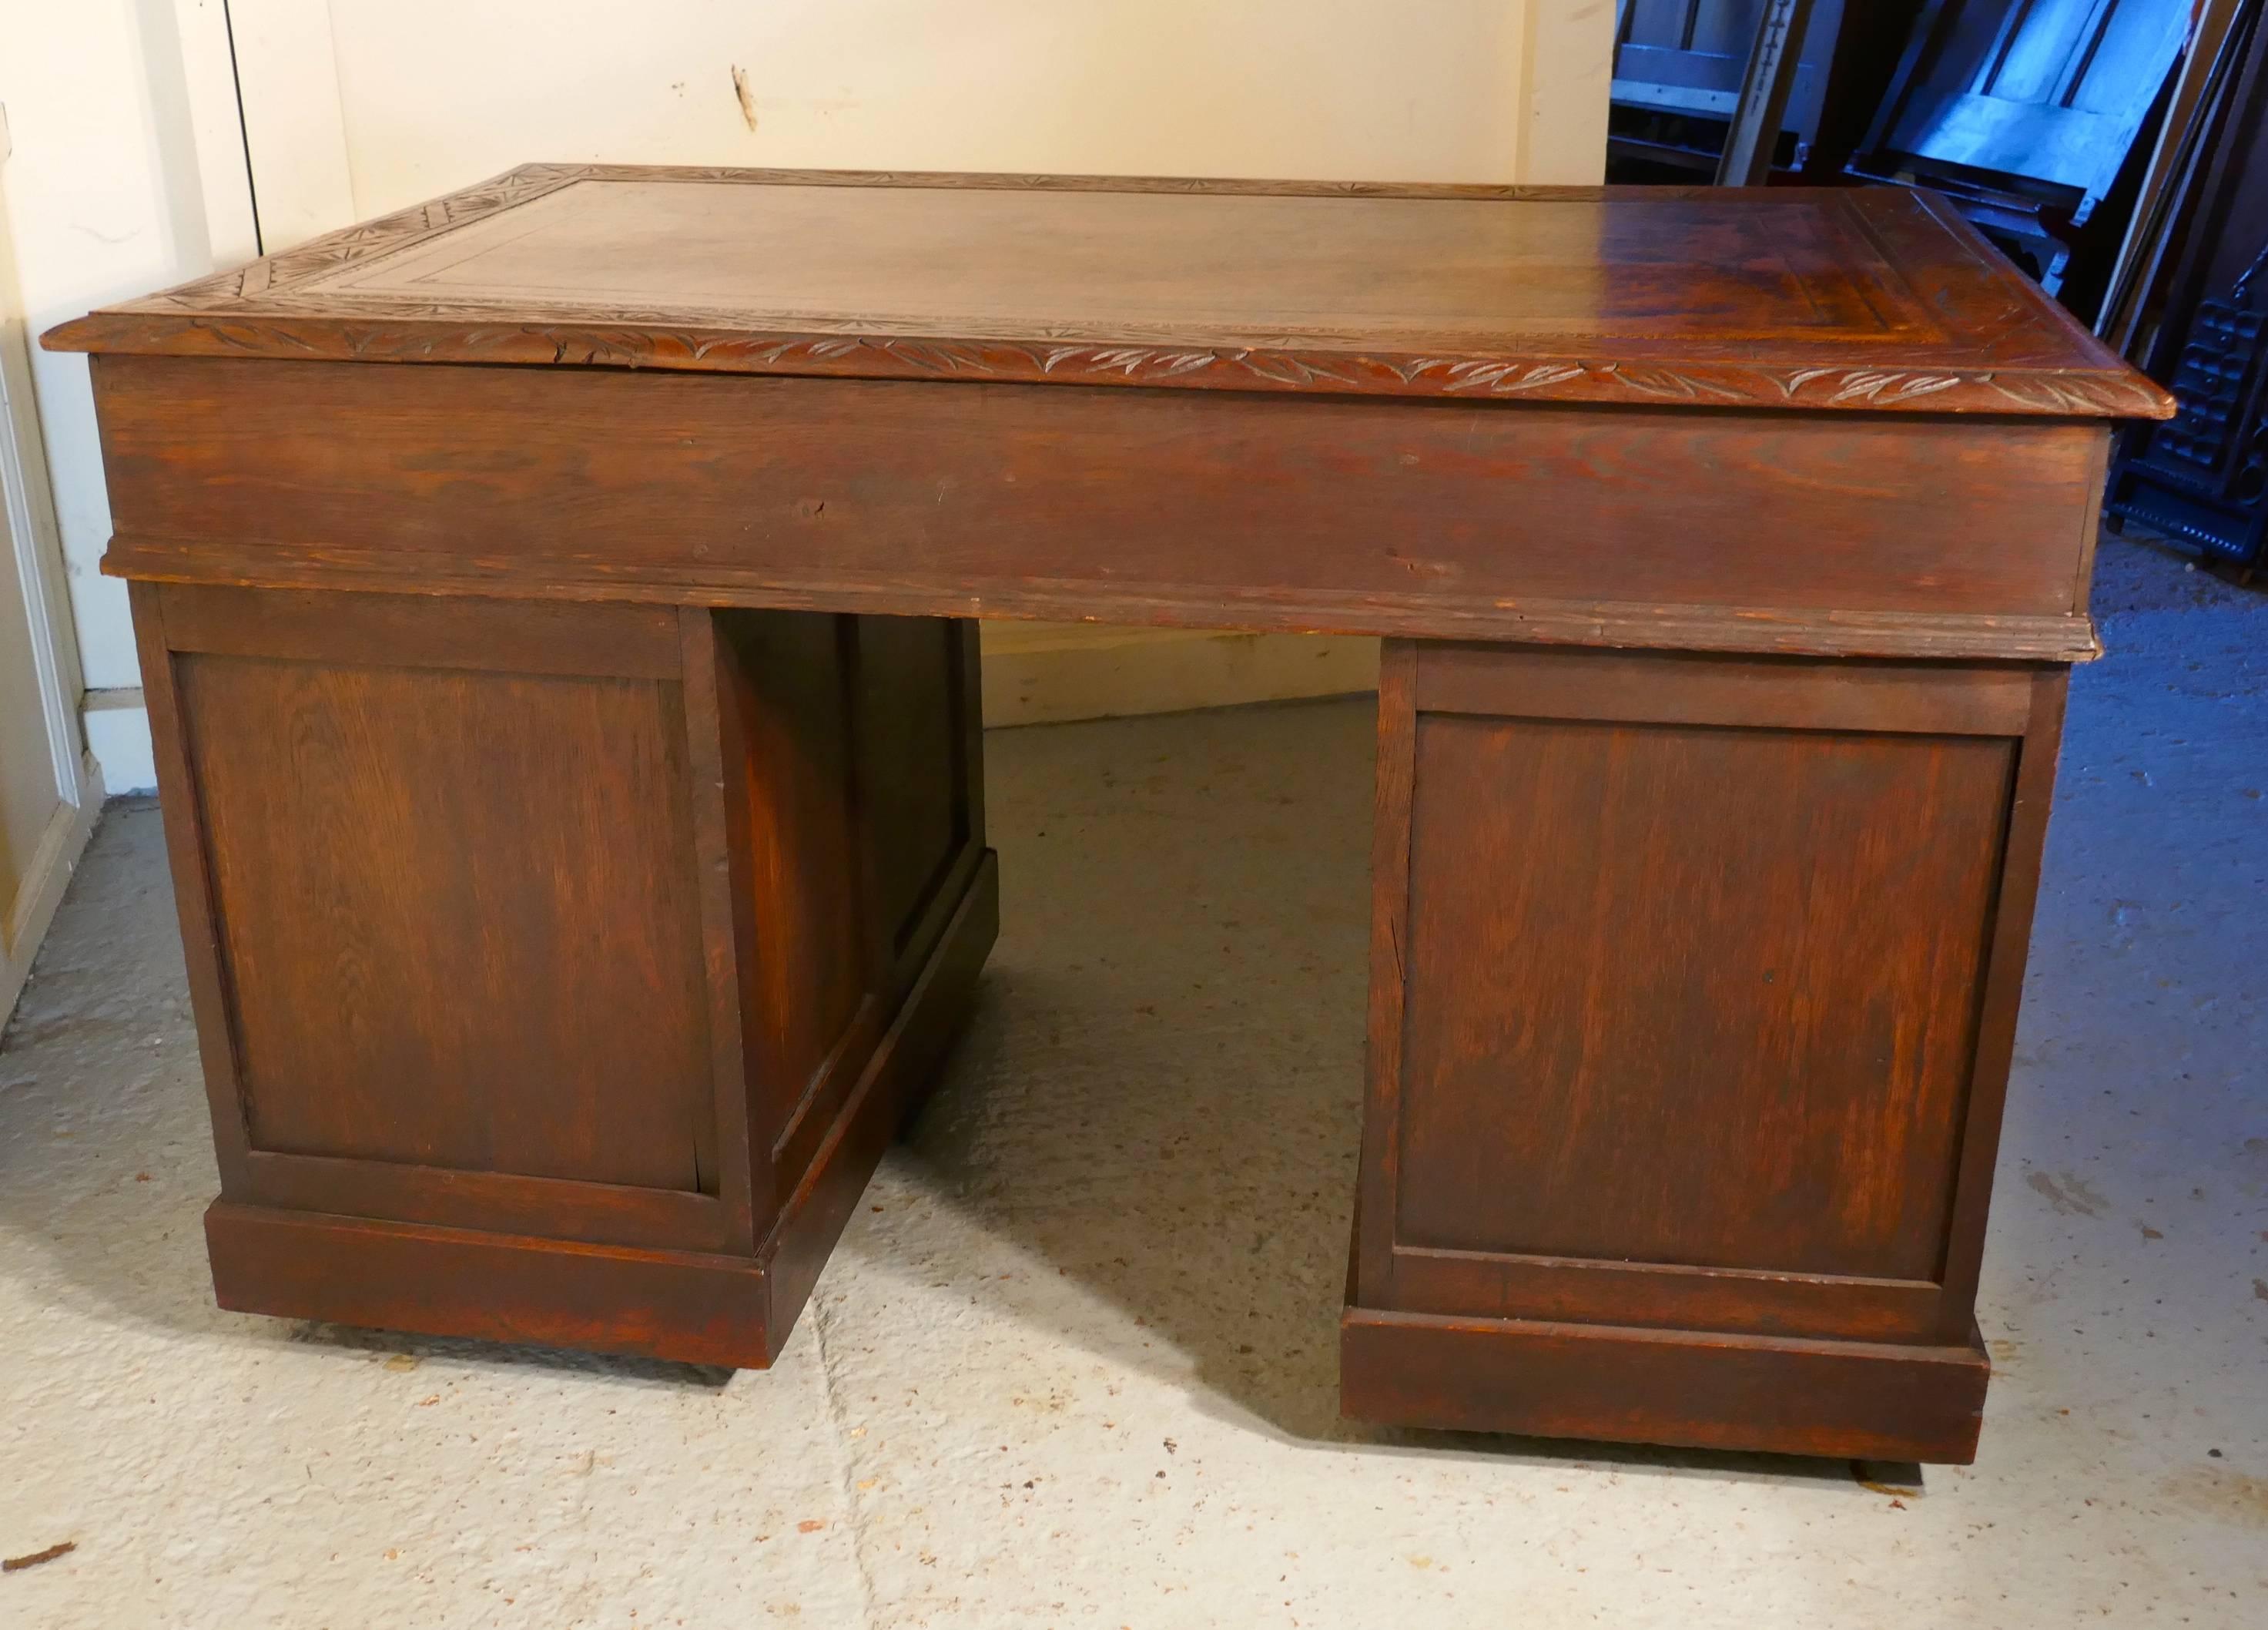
x=1693 y=988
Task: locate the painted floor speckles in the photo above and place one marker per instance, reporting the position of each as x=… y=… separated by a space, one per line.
x=1074 y=1362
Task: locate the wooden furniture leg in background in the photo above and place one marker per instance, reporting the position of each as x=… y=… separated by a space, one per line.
x=561 y=970
x=1694 y=987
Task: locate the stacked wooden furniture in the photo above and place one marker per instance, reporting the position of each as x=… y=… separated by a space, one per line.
x=2024 y=111
x=2202 y=480
x=555 y=604
x=1679 y=69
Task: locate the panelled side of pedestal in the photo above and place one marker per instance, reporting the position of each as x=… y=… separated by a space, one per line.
x=1694 y=989
x=560 y=968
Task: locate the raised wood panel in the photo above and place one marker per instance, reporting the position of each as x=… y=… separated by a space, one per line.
x=847 y=775
x=877 y=1104
x=455 y=916
x=1693 y=995
x=1213 y=509
x=910 y=775
x=712 y=797
x=451 y=1276
x=1693 y=987
x=2007 y=946
x=534 y=945
x=798 y=883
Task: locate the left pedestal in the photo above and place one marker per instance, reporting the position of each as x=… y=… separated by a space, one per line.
x=561 y=970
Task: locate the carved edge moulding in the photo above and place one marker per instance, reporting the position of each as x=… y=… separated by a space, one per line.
x=2041 y=363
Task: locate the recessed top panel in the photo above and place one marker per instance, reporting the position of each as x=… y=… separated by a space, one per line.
x=1224 y=269
x=1697 y=297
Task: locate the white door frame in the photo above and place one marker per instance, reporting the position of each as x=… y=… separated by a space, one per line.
x=39 y=561
x=38 y=548
x=32 y=527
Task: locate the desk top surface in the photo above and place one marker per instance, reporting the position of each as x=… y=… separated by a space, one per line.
x=1868 y=299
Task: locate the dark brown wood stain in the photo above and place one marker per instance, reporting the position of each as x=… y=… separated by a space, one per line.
x=573 y=772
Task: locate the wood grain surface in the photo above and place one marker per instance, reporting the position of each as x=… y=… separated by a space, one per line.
x=1692 y=982
x=1714 y=1066
x=617 y=938
x=1852 y=1400
x=573 y=771
x=1882 y=535
x=1831 y=299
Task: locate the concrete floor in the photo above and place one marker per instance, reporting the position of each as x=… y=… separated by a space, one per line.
x=1074 y=1363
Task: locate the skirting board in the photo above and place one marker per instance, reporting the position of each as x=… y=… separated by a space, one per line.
x=118 y=739
x=53 y=862
x=1051 y=672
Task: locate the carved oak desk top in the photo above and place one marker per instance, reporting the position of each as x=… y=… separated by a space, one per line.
x=1331 y=408
x=1874 y=299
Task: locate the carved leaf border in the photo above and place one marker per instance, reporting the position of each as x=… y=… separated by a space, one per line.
x=882 y=356
x=248 y=310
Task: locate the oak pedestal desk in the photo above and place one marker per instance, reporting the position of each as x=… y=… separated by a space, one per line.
x=555 y=607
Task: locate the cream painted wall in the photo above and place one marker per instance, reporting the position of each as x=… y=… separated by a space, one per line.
x=128 y=173
x=435 y=93
x=130 y=168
